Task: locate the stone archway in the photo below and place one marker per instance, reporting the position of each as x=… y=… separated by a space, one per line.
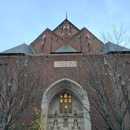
x=67 y=85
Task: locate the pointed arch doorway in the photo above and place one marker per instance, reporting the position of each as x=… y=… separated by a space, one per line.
x=64 y=101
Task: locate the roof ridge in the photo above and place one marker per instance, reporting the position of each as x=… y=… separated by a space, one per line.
x=112 y=47
x=66 y=48
x=22 y=48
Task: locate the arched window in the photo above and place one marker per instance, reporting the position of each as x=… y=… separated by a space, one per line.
x=65 y=103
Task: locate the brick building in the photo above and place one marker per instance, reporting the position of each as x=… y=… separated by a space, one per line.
x=57 y=53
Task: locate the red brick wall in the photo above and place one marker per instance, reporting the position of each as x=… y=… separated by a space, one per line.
x=89 y=44
x=50 y=74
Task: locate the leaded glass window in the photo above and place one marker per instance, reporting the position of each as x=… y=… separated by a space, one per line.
x=65 y=103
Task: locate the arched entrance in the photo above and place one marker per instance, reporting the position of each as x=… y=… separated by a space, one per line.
x=64 y=101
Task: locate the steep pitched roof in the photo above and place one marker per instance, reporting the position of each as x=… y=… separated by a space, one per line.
x=111 y=47
x=21 y=49
x=66 y=49
x=66 y=20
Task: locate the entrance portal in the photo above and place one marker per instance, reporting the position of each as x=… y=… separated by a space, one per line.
x=64 y=101
x=65 y=112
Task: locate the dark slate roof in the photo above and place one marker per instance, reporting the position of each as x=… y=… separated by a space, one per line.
x=21 y=49
x=111 y=47
x=66 y=49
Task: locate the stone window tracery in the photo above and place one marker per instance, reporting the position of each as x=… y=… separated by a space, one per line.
x=65 y=103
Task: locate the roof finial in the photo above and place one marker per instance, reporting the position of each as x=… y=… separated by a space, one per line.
x=66 y=14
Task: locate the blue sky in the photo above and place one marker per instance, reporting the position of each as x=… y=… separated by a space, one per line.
x=21 y=21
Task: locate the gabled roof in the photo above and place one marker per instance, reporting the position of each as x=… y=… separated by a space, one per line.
x=21 y=49
x=111 y=47
x=66 y=20
x=66 y=49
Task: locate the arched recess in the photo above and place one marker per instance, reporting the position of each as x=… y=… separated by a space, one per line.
x=69 y=85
